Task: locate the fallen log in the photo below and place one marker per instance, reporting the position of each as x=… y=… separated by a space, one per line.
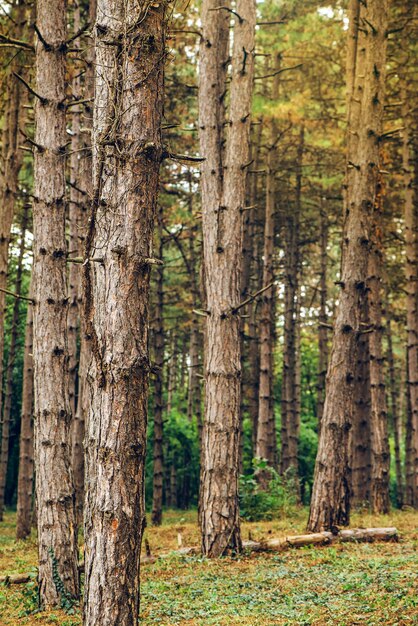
x=360 y=535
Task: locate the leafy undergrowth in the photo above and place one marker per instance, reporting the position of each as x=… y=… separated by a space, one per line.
x=342 y=585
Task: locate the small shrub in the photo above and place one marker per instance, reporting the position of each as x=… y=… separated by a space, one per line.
x=258 y=504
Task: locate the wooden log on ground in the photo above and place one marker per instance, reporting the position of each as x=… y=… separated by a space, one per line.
x=361 y=535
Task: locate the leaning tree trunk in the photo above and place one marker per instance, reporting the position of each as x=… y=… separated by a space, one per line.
x=127 y=150
x=158 y=466
x=223 y=198
x=54 y=484
x=25 y=476
x=330 y=505
x=7 y=409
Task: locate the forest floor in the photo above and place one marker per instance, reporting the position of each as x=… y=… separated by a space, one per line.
x=341 y=585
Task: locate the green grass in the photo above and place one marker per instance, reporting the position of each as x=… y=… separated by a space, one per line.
x=342 y=585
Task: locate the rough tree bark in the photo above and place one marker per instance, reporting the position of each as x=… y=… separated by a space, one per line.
x=322 y=317
x=379 y=442
x=25 y=476
x=127 y=150
x=330 y=505
x=57 y=541
x=223 y=198
x=411 y=275
x=12 y=158
x=158 y=467
x=266 y=441
x=7 y=408
x=290 y=388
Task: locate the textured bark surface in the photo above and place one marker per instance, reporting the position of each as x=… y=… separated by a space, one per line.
x=360 y=454
x=290 y=400
x=130 y=49
x=25 y=477
x=158 y=467
x=223 y=198
x=330 y=505
x=379 y=442
x=266 y=443
x=411 y=275
x=12 y=158
x=54 y=485
x=322 y=318
x=7 y=408
x=82 y=177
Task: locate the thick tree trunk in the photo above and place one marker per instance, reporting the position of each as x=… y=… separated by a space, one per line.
x=7 y=409
x=330 y=505
x=158 y=467
x=54 y=483
x=127 y=150
x=223 y=198
x=25 y=476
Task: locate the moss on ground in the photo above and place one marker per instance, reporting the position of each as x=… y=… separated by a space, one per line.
x=342 y=585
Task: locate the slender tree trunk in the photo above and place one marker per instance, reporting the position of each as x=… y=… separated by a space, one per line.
x=223 y=198
x=7 y=409
x=172 y=372
x=396 y=414
x=127 y=152
x=360 y=453
x=323 y=317
x=57 y=541
x=12 y=157
x=411 y=275
x=290 y=388
x=330 y=505
x=25 y=476
x=266 y=446
x=379 y=442
x=158 y=467
x=85 y=193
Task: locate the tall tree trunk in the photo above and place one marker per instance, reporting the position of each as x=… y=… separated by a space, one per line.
x=360 y=453
x=322 y=317
x=25 y=476
x=7 y=409
x=12 y=157
x=158 y=467
x=290 y=401
x=127 y=152
x=223 y=198
x=379 y=442
x=411 y=275
x=172 y=371
x=395 y=414
x=57 y=541
x=83 y=178
x=266 y=445
x=330 y=505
